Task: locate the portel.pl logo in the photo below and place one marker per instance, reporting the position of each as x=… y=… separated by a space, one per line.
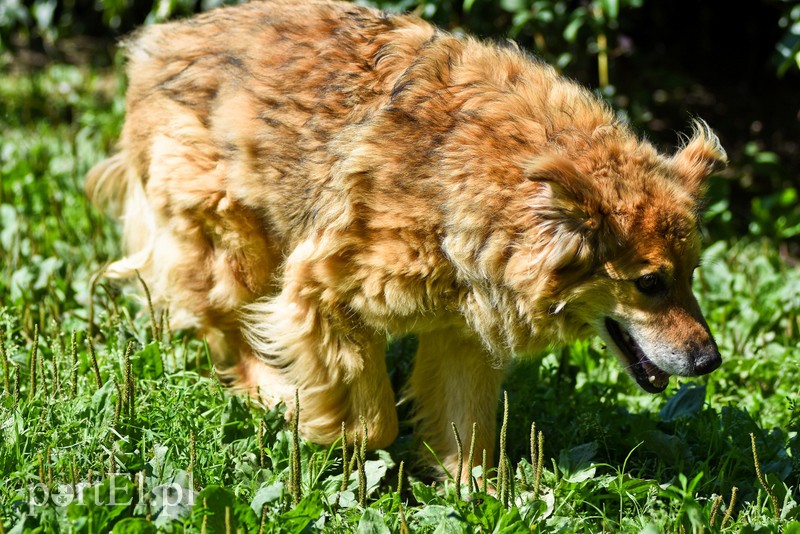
x=116 y=490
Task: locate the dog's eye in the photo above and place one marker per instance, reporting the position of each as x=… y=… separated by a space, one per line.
x=650 y=284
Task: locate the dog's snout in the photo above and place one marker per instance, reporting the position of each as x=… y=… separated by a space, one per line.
x=706 y=358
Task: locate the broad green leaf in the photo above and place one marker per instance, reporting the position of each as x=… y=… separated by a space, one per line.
x=445 y=519
x=687 y=402
x=511 y=523
x=307 y=511
x=148 y=362
x=372 y=522
x=576 y=464
x=266 y=495
x=486 y=514
x=424 y=493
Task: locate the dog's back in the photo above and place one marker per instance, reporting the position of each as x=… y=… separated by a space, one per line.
x=250 y=128
x=230 y=122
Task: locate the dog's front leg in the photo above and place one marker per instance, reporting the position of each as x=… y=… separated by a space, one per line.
x=455 y=381
x=314 y=344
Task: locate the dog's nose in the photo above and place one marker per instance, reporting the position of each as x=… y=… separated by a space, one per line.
x=706 y=359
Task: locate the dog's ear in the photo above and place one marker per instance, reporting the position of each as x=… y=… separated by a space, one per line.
x=701 y=156
x=565 y=194
x=567 y=204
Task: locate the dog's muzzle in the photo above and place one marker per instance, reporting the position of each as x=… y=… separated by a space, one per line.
x=699 y=359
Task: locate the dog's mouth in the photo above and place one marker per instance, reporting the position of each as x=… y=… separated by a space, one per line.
x=647 y=374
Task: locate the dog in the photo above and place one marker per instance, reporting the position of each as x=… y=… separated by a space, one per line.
x=298 y=179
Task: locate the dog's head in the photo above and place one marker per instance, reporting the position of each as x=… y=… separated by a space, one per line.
x=623 y=227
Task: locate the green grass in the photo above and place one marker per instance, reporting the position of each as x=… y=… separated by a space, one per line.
x=178 y=452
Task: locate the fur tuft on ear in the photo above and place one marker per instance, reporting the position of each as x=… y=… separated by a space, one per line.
x=701 y=156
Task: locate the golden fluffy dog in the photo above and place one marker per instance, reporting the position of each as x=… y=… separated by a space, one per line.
x=299 y=179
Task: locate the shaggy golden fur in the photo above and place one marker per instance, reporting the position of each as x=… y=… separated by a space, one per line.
x=298 y=179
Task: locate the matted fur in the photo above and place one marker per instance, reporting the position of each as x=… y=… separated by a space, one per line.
x=298 y=179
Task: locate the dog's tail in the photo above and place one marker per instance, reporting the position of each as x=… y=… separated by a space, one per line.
x=114 y=186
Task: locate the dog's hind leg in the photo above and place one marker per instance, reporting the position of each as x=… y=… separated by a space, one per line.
x=308 y=342
x=454 y=381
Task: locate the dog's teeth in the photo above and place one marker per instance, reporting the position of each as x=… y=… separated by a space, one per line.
x=626 y=336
